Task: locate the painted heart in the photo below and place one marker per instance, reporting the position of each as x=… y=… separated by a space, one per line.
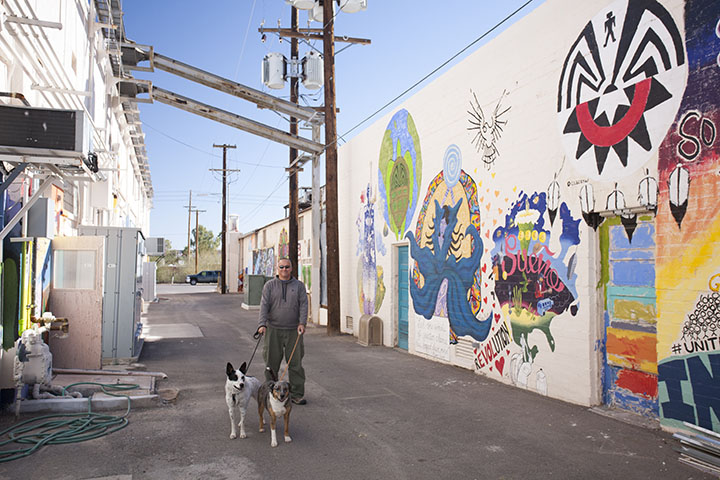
x=487 y=206
x=487 y=234
x=494 y=222
x=500 y=364
x=484 y=267
x=506 y=351
x=486 y=287
x=491 y=368
x=493 y=174
x=497 y=193
x=484 y=299
x=500 y=211
x=497 y=317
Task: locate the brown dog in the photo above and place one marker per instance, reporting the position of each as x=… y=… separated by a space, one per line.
x=275 y=397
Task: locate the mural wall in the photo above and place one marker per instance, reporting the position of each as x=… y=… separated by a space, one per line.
x=688 y=225
x=568 y=233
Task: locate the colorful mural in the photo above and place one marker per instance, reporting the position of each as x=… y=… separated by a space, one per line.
x=621 y=84
x=446 y=248
x=688 y=236
x=400 y=172
x=371 y=287
x=264 y=262
x=284 y=244
x=533 y=284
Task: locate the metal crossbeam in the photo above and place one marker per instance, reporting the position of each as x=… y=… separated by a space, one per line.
x=236 y=121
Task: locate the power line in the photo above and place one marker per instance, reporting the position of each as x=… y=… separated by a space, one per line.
x=145 y=124
x=497 y=25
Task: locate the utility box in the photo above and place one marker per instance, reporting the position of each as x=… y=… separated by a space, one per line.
x=370 y=331
x=253 y=287
x=122 y=292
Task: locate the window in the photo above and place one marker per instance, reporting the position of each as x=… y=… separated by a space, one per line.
x=74 y=269
x=301 y=228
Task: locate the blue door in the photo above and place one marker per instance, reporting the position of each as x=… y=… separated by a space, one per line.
x=403 y=290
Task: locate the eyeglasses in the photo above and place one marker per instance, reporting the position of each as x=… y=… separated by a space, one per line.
x=282 y=267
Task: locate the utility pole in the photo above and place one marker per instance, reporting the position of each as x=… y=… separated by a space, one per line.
x=197 y=230
x=326 y=34
x=331 y=212
x=292 y=180
x=189 y=207
x=224 y=217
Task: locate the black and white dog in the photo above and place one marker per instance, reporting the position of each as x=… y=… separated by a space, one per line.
x=275 y=397
x=239 y=388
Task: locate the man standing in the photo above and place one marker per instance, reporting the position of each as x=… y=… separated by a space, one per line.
x=283 y=316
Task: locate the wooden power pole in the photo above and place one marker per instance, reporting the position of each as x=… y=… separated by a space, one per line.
x=223 y=248
x=197 y=235
x=293 y=177
x=331 y=205
x=189 y=207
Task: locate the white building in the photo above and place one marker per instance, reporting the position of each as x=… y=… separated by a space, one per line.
x=72 y=147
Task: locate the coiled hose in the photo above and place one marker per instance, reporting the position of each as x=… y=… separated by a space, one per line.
x=64 y=428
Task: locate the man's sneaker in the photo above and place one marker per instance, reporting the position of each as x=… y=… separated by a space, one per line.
x=299 y=401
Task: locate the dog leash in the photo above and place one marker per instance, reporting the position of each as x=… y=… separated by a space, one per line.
x=259 y=336
x=291 y=355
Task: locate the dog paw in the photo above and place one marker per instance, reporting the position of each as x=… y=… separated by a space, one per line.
x=273 y=444
x=288 y=439
x=232 y=436
x=261 y=430
x=243 y=435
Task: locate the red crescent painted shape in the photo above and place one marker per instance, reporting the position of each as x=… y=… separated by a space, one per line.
x=609 y=136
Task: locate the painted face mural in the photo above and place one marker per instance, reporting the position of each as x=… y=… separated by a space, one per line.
x=447 y=249
x=620 y=88
x=688 y=240
x=400 y=172
x=371 y=287
x=532 y=283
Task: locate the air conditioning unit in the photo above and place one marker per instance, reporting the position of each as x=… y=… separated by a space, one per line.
x=42 y=131
x=274 y=70
x=155 y=246
x=312 y=71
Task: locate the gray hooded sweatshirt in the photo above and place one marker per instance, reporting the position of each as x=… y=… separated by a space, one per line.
x=284 y=304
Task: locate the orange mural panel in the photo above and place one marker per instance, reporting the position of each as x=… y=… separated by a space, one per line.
x=630 y=349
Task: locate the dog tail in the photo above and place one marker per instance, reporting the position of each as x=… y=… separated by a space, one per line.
x=273 y=375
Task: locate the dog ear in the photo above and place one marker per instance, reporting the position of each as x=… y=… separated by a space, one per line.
x=273 y=375
x=230 y=371
x=243 y=368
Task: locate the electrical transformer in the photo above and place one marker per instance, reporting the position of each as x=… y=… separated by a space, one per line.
x=274 y=70
x=312 y=71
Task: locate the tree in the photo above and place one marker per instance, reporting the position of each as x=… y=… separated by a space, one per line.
x=206 y=240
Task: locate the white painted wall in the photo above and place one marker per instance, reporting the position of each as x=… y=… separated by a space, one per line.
x=522 y=66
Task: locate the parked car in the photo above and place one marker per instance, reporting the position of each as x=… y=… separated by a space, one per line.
x=206 y=276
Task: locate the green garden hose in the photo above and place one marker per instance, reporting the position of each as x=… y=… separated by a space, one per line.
x=64 y=428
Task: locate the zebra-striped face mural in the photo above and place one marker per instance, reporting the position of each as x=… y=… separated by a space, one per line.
x=621 y=85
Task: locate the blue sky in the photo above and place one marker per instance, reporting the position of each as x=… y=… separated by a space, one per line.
x=409 y=40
